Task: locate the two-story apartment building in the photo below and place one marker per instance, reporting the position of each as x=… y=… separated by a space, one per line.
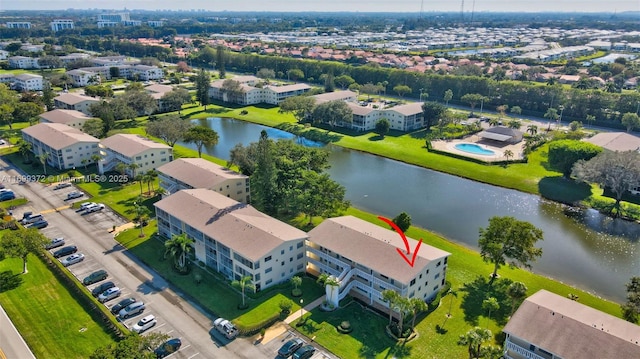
x=127 y=148
x=233 y=238
x=251 y=95
x=190 y=173
x=23 y=62
x=82 y=78
x=72 y=101
x=364 y=259
x=71 y=118
x=66 y=147
x=549 y=326
x=28 y=82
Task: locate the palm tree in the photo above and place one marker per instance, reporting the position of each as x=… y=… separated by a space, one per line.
x=532 y=129
x=96 y=159
x=590 y=118
x=151 y=176
x=515 y=124
x=43 y=159
x=140 y=179
x=403 y=305
x=390 y=296
x=121 y=168
x=516 y=291
x=244 y=282
x=493 y=122
x=473 y=339
x=490 y=304
x=453 y=293
x=296 y=281
x=508 y=154
x=133 y=167
x=24 y=148
x=332 y=283
x=178 y=247
x=84 y=162
x=416 y=306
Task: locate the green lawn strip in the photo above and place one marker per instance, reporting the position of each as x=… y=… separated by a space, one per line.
x=47 y=315
x=214 y=292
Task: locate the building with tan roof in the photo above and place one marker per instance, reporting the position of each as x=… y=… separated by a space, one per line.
x=28 y=82
x=549 y=326
x=233 y=238
x=65 y=147
x=129 y=149
x=404 y=117
x=348 y=96
x=253 y=94
x=72 y=118
x=82 y=78
x=616 y=141
x=72 y=101
x=364 y=258
x=190 y=173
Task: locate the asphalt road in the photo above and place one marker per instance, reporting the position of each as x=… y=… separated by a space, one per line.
x=176 y=316
x=11 y=343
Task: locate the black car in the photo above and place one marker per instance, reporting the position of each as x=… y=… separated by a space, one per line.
x=290 y=347
x=101 y=288
x=168 y=347
x=305 y=352
x=121 y=305
x=65 y=251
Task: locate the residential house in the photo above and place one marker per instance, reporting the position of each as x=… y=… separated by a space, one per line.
x=23 y=62
x=71 y=118
x=128 y=149
x=82 y=78
x=190 y=173
x=72 y=101
x=232 y=237
x=364 y=259
x=28 y=82
x=65 y=147
x=550 y=326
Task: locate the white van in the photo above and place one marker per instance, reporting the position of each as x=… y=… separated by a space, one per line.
x=32 y=218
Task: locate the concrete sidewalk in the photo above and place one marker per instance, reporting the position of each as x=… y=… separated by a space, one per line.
x=281 y=327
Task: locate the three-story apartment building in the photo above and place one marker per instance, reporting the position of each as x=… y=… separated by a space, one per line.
x=64 y=147
x=128 y=149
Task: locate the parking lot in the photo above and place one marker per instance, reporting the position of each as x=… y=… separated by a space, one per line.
x=272 y=346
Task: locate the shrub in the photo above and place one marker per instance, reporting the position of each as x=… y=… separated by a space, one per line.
x=296 y=292
x=345 y=327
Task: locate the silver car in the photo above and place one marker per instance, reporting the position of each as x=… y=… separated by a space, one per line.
x=72 y=259
x=109 y=294
x=131 y=310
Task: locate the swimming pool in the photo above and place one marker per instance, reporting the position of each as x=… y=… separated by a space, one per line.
x=474 y=149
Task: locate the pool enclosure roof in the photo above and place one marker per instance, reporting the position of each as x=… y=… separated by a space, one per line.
x=494 y=136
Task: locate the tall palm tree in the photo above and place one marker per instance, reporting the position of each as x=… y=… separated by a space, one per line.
x=151 y=175
x=43 y=159
x=390 y=296
x=178 y=247
x=24 y=148
x=121 y=168
x=296 y=281
x=532 y=129
x=242 y=284
x=416 y=306
x=473 y=339
x=133 y=167
x=508 y=154
x=84 y=162
x=142 y=215
x=516 y=292
x=490 y=304
x=140 y=179
x=96 y=159
x=403 y=306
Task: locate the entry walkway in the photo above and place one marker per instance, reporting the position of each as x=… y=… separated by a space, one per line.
x=280 y=328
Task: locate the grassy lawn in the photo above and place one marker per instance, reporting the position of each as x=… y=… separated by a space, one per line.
x=214 y=292
x=47 y=315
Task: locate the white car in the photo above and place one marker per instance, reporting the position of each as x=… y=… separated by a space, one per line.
x=85 y=206
x=107 y=295
x=96 y=208
x=145 y=324
x=72 y=259
x=74 y=195
x=55 y=243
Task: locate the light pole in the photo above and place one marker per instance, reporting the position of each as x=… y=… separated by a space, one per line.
x=560 y=118
x=638 y=108
x=421 y=95
x=301 y=303
x=481 y=104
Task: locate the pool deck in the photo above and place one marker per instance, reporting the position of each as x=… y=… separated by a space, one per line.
x=449 y=146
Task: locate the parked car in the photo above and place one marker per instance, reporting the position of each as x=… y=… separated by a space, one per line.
x=226 y=328
x=121 y=304
x=62 y=185
x=168 y=347
x=305 y=352
x=85 y=206
x=96 y=208
x=39 y=224
x=7 y=195
x=95 y=277
x=290 y=347
x=109 y=294
x=72 y=259
x=74 y=195
x=101 y=288
x=145 y=324
x=131 y=310
x=55 y=243
x=32 y=218
x=3 y=142
x=65 y=251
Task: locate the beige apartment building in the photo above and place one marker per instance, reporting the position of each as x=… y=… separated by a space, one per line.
x=66 y=147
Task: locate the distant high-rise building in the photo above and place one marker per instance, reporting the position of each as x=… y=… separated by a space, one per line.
x=61 y=24
x=114 y=17
x=155 y=23
x=18 y=25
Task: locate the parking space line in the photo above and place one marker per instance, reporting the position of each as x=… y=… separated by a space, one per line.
x=193 y=355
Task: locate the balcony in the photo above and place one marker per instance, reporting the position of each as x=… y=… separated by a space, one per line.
x=522 y=352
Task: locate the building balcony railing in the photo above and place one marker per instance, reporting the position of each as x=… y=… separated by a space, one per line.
x=521 y=351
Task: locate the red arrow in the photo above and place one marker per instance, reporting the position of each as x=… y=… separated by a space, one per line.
x=406 y=242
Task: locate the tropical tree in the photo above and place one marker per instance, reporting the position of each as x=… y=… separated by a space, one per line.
x=201 y=136
x=454 y=294
x=96 y=159
x=296 y=282
x=94 y=127
x=174 y=99
x=264 y=177
x=178 y=247
x=390 y=296
x=472 y=99
x=516 y=291
x=631 y=121
x=84 y=162
x=334 y=113
x=43 y=159
x=140 y=179
x=402 y=90
x=515 y=124
x=142 y=216
x=416 y=306
x=403 y=221
x=563 y=154
x=474 y=339
x=300 y=106
x=203 y=82
x=631 y=309
x=266 y=74
x=232 y=90
x=551 y=114
x=590 y=119
x=26 y=111
x=516 y=110
x=344 y=81
x=490 y=305
x=121 y=168
x=382 y=127
x=403 y=306
x=532 y=129
x=448 y=95
x=295 y=74
x=243 y=283
x=171 y=129
x=24 y=148
x=432 y=112
x=508 y=154
x=507 y=238
x=20 y=243
x=133 y=167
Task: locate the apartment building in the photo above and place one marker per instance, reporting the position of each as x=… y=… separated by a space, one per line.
x=232 y=237
x=127 y=148
x=71 y=118
x=65 y=146
x=190 y=173
x=82 y=78
x=251 y=95
x=18 y=25
x=28 y=82
x=23 y=62
x=72 y=101
x=364 y=258
x=549 y=326
x=61 y=24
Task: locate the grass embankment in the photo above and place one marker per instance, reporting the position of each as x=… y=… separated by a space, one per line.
x=47 y=315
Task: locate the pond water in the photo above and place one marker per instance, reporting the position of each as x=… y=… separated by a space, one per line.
x=584 y=248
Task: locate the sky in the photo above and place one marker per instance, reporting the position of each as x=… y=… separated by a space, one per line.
x=608 y=6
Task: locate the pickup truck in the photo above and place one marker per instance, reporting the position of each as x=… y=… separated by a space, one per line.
x=226 y=328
